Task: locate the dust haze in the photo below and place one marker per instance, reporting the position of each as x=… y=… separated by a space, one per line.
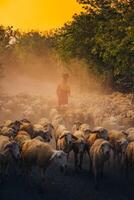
x=41 y=75
x=29 y=91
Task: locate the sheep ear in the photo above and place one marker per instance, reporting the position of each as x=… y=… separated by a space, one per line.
x=62 y=136
x=52 y=126
x=98 y=134
x=74 y=137
x=11 y=138
x=125 y=133
x=53 y=155
x=87 y=137
x=8 y=146
x=45 y=126
x=94 y=131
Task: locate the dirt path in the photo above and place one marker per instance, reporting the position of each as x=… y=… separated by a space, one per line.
x=71 y=186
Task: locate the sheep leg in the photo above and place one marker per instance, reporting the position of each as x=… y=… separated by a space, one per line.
x=20 y=168
x=102 y=172
x=96 y=178
x=90 y=161
x=68 y=156
x=6 y=170
x=96 y=171
x=28 y=174
x=30 y=177
x=122 y=165
x=42 y=175
x=1 y=175
x=126 y=168
x=76 y=161
x=81 y=161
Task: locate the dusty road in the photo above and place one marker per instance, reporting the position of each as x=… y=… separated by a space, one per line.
x=71 y=186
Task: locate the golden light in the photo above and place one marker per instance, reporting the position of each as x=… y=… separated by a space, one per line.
x=37 y=14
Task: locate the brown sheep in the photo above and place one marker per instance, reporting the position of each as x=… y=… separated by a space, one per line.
x=129 y=157
x=129 y=134
x=119 y=143
x=21 y=138
x=101 y=133
x=6 y=131
x=130 y=137
x=41 y=155
x=80 y=146
x=86 y=129
x=99 y=153
x=58 y=132
x=91 y=139
x=76 y=126
x=9 y=150
x=10 y=128
x=39 y=130
x=47 y=125
x=97 y=133
x=26 y=126
x=65 y=142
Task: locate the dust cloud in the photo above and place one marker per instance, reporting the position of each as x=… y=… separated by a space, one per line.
x=29 y=91
x=41 y=75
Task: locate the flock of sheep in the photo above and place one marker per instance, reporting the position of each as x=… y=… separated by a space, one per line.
x=100 y=126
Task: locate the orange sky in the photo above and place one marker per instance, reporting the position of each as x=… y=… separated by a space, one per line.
x=37 y=14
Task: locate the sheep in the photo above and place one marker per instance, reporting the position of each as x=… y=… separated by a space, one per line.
x=57 y=120
x=27 y=126
x=100 y=152
x=80 y=146
x=65 y=142
x=10 y=128
x=76 y=126
x=91 y=139
x=130 y=137
x=49 y=128
x=41 y=155
x=39 y=130
x=53 y=113
x=6 y=131
x=101 y=133
x=58 y=132
x=7 y=123
x=129 y=157
x=43 y=121
x=69 y=118
x=86 y=129
x=119 y=142
x=97 y=133
x=15 y=126
x=130 y=130
x=21 y=138
x=9 y=150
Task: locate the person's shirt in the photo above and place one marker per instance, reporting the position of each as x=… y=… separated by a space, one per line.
x=63 y=88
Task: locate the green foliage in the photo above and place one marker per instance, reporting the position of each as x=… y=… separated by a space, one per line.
x=32 y=43
x=104 y=35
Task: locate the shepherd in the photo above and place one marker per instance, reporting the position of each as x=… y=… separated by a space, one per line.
x=63 y=90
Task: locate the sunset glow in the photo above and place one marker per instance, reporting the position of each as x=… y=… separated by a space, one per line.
x=37 y=14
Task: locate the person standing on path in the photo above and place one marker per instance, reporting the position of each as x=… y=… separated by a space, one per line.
x=63 y=90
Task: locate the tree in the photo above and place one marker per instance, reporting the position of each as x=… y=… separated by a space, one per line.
x=102 y=35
